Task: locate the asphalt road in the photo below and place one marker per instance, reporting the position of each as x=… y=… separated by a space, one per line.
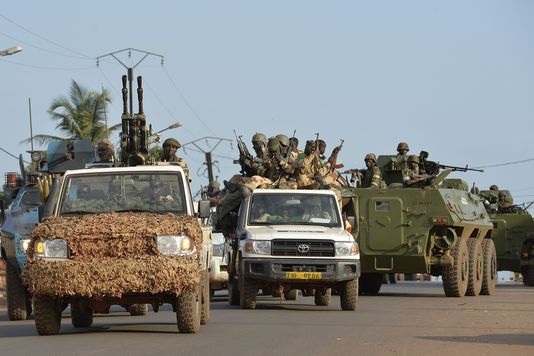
x=409 y=318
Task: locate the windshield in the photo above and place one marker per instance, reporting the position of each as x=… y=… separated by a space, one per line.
x=115 y=192
x=299 y=209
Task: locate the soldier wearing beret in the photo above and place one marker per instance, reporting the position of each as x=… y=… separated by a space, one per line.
x=170 y=146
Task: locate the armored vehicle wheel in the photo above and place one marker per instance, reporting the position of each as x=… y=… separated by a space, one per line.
x=291 y=294
x=188 y=310
x=455 y=277
x=528 y=276
x=81 y=314
x=205 y=315
x=489 y=279
x=476 y=267
x=233 y=291
x=47 y=314
x=322 y=297
x=348 y=295
x=16 y=295
x=370 y=283
x=138 y=309
x=248 y=288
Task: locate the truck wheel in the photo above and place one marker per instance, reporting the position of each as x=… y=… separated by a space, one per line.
x=348 y=295
x=188 y=310
x=455 y=277
x=81 y=314
x=16 y=295
x=322 y=296
x=205 y=315
x=370 y=283
x=233 y=291
x=248 y=288
x=47 y=314
x=489 y=279
x=528 y=276
x=291 y=294
x=476 y=267
x=138 y=309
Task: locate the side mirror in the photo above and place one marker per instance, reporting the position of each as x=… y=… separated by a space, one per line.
x=204 y=209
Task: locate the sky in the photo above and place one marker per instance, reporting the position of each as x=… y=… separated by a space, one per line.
x=454 y=78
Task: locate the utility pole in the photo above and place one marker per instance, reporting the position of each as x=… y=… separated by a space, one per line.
x=129 y=69
x=207 y=154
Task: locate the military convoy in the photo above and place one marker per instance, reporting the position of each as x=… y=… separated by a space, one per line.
x=120 y=234
x=438 y=228
x=513 y=233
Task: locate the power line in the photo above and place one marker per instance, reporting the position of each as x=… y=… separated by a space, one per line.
x=506 y=164
x=46 y=39
x=48 y=68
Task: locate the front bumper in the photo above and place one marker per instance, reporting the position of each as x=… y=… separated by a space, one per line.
x=275 y=270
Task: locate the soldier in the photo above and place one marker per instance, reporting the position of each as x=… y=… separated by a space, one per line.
x=294 y=146
x=106 y=152
x=254 y=166
x=371 y=176
x=321 y=145
x=503 y=203
x=309 y=166
x=170 y=146
x=277 y=168
x=284 y=144
x=401 y=159
x=493 y=187
x=426 y=166
x=214 y=193
x=410 y=174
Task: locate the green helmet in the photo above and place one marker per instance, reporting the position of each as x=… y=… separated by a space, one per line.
x=214 y=184
x=283 y=139
x=171 y=142
x=413 y=158
x=273 y=145
x=403 y=146
x=494 y=187
x=259 y=137
x=370 y=157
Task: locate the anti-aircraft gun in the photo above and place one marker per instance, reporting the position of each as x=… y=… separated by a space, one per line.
x=124 y=233
x=438 y=228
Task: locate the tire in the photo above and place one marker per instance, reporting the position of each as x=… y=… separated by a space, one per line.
x=82 y=314
x=370 y=283
x=348 y=295
x=188 y=310
x=206 y=292
x=476 y=267
x=455 y=277
x=291 y=294
x=528 y=276
x=233 y=291
x=489 y=279
x=248 y=288
x=138 y=309
x=47 y=314
x=322 y=297
x=16 y=295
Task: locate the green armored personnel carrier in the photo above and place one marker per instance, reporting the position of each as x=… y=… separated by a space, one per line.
x=438 y=228
x=513 y=233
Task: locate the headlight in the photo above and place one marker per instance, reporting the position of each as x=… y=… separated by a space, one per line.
x=51 y=249
x=347 y=249
x=23 y=245
x=175 y=245
x=258 y=247
x=218 y=250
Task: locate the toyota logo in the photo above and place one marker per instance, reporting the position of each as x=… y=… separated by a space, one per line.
x=303 y=248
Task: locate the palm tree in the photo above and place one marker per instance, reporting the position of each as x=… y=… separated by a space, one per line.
x=79 y=117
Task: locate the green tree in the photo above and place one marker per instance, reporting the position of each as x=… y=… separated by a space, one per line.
x=81 y=116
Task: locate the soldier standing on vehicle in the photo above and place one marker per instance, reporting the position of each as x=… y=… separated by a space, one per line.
x=214 y=193
x=503 y=204
x=426 y=166
x=371 y=176
x=254 y=166
x=402 y=152
x=321 y=145
x=170 y=146
x=294 y=146
x=410 y=174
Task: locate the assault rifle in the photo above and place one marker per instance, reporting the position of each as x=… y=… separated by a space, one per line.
x=243 y=150
x=333 y=158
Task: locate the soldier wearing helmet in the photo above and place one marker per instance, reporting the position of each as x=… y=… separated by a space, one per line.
x=371 y=176
x=277 y=167
x=284 y=144
x=401 y=159
x=402 y=148
x=170 y=146
x=252 y=166
x=411 y=175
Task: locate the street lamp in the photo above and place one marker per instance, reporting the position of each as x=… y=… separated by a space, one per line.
x=10 y=51
x=173 y=126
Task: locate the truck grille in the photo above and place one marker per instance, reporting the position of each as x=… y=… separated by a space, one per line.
x=298 y=248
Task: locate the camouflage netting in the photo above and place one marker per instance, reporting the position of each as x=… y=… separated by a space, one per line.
x=112 y=254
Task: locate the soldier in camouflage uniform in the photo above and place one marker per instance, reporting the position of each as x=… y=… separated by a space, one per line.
x=106 y=152
x=402 y=151
x=254 y=166
x=371 y=176
x=170 y=146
